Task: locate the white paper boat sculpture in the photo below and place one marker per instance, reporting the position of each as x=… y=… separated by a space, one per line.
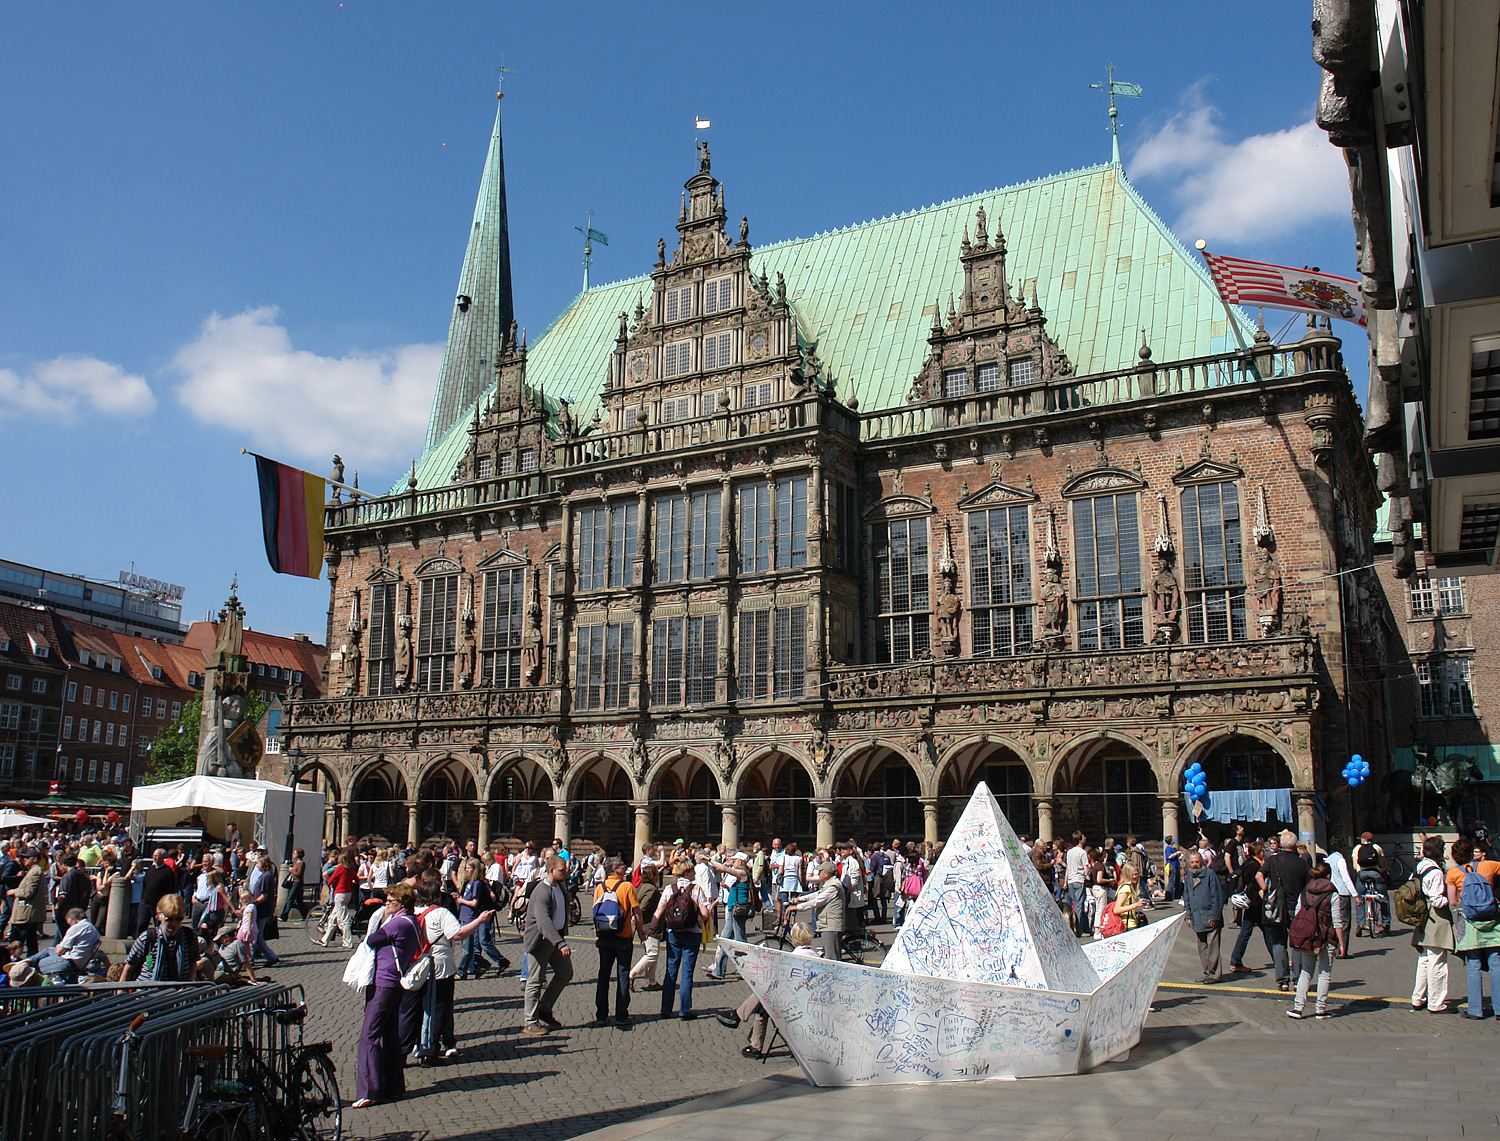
x=984 y=980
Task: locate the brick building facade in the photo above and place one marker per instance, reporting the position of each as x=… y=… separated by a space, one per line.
x=857 y=522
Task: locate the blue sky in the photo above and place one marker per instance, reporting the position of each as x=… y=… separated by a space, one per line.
x=230 y=226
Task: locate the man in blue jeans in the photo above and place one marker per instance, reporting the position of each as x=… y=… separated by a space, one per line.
x=736 y=878
x=1077 y=881
x=681 y=912
x=614 y=935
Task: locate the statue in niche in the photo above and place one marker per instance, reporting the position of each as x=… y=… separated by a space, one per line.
x=531 y=641
x=1166 y=599
x=1052 y=605
x=351 y=661
x=403 y=651
x=1265 y=580
x=465 y=652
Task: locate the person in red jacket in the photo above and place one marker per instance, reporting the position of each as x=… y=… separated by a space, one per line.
x=341 y=884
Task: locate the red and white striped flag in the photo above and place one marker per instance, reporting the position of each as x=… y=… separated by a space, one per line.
x=1242 y=282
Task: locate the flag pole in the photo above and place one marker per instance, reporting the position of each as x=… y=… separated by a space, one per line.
x=1202 y=247
x=336 y=483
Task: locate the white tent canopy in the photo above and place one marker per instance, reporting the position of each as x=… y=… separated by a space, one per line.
x=10 y=819
x=258 y=808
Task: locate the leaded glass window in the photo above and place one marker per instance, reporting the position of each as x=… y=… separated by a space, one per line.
x=1107 y=541
x=901 y=583
x=1000 y=581
x=606 y=546
x=501 y=628
x=684 y=658
x=602 y=668
x=687 y=536
x=436 y=633
x=1213 y=563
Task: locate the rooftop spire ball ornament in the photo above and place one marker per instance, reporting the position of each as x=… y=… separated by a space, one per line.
x=984 y=980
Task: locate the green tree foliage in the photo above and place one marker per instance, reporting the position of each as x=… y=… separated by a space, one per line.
x=174 y=749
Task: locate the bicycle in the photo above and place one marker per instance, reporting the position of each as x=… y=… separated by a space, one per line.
x=260 y=1106
x=130 y=1045
x=854 y=947
x=316 y=918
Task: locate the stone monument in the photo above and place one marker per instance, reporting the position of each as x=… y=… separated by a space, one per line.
x=228 y=745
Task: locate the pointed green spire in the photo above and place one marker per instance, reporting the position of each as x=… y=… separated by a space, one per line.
x=484 y=307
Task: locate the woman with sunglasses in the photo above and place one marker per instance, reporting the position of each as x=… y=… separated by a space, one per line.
x=167 y=951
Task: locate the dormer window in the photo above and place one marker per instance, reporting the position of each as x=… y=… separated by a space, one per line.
x=676 y=358
x=953 y=382
x=718 y=295
x=756 y=395
x=680 y=408
x=507 y=464
x=1022 y=371
x=486 y=467
x=988 y=378
x=528 y=460
x=677 y=304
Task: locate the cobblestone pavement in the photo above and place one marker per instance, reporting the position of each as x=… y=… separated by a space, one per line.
x=1216 y=1060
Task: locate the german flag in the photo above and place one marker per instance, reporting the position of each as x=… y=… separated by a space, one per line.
x=291 y=513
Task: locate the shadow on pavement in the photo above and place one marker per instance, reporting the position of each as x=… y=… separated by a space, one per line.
x=1161 y=1042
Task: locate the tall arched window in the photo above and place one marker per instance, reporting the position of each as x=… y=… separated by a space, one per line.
x=1213 y=563
x=1107 y=556
x=437 y=632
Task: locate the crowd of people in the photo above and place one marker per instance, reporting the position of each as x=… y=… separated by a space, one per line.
x=422 y=919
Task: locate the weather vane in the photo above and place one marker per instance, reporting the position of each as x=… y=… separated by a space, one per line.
x=590 y=236
x=504 y=71
x=1130 y=91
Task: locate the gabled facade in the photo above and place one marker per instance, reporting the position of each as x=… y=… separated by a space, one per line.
x=723 y=597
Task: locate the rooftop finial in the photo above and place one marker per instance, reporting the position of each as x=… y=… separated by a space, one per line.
x=1129 y=90
x=500 y=83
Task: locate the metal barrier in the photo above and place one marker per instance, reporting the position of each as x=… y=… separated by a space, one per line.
x=60 y=1053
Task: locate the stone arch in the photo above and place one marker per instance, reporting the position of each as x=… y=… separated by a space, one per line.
x=599 y=792
x=447 y=796
x=428 y=765
x=773 y=788
x=1003 y=764
x=378 y=797
x=331 y=786
x=878 y=789
x=518 y=796
x=684 y=790
x=1105 y=784
x=1207 y=742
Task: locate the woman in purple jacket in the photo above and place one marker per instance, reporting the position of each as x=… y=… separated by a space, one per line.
x=381 y=1076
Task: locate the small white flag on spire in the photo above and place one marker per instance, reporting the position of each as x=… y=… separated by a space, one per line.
x=701 y=124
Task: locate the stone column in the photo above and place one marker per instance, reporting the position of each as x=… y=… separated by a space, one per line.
x=346 y=823
x=1169 y=822
x=117 y=918
x=642 y=827
x=412 y=837
x=1044 y=819
x=930 y=819
x=824 y=811
x=1307 y=816
x=483 y=840
x=561 y=821
x=729 y=815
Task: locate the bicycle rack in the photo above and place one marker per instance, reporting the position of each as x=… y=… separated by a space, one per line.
x=60 y=1053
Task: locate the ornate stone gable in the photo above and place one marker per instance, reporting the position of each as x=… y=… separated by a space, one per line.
x=1208 y=471
x=997 y=494
x=1101 y=481
x=898 y=507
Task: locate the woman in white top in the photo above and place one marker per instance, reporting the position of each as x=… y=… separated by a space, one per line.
x=380 y=869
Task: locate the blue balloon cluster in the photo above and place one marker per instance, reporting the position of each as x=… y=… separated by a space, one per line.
x=1357 y=771
x=1195 y=782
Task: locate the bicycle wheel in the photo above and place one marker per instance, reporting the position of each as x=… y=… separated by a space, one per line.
x=866 y=949
x=575 y=911
x=321 y=1112
x=227 y=1124
x=1396 y=872
x=317 y=916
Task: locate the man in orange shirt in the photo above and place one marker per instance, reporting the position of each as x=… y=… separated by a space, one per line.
x=617 y=917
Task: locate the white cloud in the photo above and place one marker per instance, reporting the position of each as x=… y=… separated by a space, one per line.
x=242 y=373
x=1264 y=186
x=59 y=387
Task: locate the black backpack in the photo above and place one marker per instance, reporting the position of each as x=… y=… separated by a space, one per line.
x=1366 y=856
x=682 y=910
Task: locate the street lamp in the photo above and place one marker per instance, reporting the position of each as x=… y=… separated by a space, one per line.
x=295 y=755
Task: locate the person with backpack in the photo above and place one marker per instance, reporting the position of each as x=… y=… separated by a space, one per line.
x=647 y=894
x=740 y=903
x=1282 y=877
x=1311 y=936
x=617 y=917
x=545 y=943
x=1433 y=936
x=1471 y=886
x=1369 y=864
x=683 y=910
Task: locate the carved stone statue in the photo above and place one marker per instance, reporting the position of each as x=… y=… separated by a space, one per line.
x=661 y=251
x=531 y=641
x=351 y=662
x=403 y=651
x=780 y=289
x=1266 y=582
x=703 y=156
x=566 y=425
x=1166 y=599
x=948 y=609
x=465 y=652
x=227 y=745
x=1052 y=605
x=724 y=755
x=744 y=231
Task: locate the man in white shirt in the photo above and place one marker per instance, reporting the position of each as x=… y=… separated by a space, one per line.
x=1345 y=895
x=1077 y=882
x=68 y=960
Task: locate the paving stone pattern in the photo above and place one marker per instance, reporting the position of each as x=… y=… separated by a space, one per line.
x=1215 y=1061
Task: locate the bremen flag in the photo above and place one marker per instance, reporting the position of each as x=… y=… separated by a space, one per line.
x=291 y=513
x=1244 y=282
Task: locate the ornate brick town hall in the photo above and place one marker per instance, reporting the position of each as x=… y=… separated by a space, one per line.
x=807 y=539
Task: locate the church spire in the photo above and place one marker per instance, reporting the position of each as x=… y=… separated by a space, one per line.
x=484 y=308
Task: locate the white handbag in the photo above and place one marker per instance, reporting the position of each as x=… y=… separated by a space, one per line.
x=359 y=971
x=415 y=976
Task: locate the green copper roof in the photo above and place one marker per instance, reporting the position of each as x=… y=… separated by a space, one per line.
x=476 y=328
x=1103 y=266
